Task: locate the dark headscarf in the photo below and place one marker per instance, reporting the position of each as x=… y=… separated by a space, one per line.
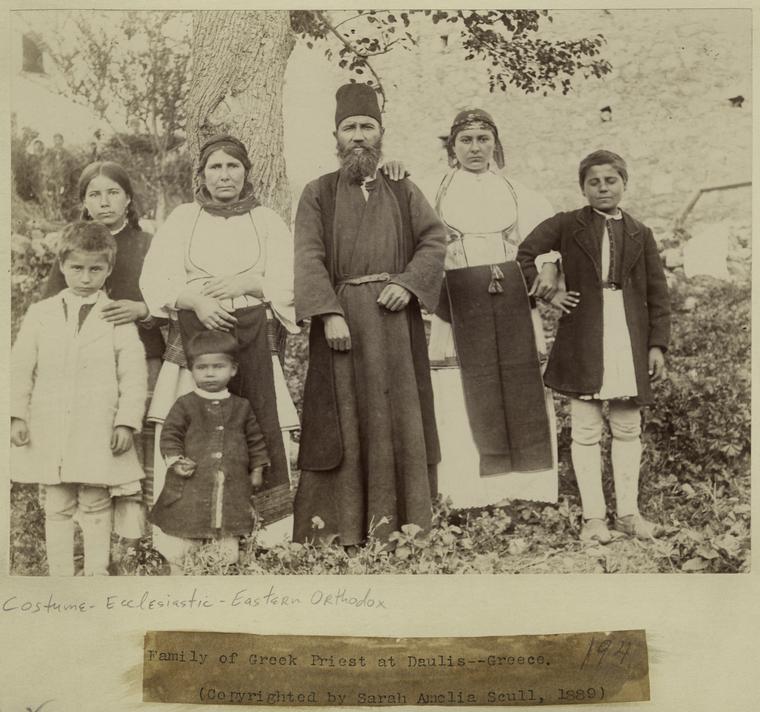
x=246 y=200
x=475 y=119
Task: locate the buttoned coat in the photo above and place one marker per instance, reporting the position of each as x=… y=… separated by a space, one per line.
x=575 y=364
x=220 y=436
x=72 y=390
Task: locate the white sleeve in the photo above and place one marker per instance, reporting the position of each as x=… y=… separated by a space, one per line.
x=131 y=376
x=24 y=364
x=278 y=275
x=547 y=258
x=163 y=273
x=534 y=208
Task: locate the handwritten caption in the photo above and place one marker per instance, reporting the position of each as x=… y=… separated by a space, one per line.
x=242 y=669
x=240 y=598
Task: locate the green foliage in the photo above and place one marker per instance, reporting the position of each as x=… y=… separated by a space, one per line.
x=127 y=65
x=137 y=153
x=698 y=431
x=31 y=259
x=695 y=480
x=131 y=68
x=505 y=41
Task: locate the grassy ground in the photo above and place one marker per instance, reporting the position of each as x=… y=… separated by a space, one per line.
x=695 y=481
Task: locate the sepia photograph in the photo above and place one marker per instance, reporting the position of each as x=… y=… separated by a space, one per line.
x=348 y=349
x=373 y=291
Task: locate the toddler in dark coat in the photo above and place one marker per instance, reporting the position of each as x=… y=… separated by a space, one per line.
x=215 y=453
x=610 y=345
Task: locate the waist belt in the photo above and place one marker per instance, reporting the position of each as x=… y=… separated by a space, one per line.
x=365 y=279
x=614 y=286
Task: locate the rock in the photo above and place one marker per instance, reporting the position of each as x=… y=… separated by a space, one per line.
x=673 y=257
x=689 y=304
x=19 y=243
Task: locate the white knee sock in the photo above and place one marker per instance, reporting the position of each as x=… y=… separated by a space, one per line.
x=626 y=461
x=587 y=463
x=59 y=544
x=96 y=530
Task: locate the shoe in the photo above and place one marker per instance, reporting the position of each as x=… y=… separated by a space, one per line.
x=635 y=525
x=595 y=530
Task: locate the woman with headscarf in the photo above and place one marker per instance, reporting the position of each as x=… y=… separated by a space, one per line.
x=225 y=262
x=495 y=419
x=107 y=197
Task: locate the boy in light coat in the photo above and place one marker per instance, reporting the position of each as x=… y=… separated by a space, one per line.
x=78 y=391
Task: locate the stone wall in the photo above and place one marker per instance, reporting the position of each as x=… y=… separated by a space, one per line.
x=673 y=73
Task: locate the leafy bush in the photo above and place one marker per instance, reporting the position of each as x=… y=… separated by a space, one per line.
x=695 y=480
x=31 y=260
x=698 y=431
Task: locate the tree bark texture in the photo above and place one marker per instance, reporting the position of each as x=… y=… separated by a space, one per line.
x=239 y=61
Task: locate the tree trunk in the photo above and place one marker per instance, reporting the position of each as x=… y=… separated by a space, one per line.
x=239 y=61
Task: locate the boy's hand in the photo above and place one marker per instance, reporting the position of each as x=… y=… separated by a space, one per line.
x=257 y=477
x=121 y=440
x=19 y=432
x=656 y=364
x=124 y=311
x=395 y=170
x=184 y=466
x=565 y=301
x=546 y=283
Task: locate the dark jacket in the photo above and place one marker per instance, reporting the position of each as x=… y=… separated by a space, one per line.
x=123 y=282
x=575 y=363
x=219 y=436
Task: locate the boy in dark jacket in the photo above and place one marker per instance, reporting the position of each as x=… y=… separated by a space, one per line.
x=610 y=346
x=215 y=453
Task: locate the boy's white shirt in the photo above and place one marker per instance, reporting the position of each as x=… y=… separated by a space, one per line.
x=73 y=304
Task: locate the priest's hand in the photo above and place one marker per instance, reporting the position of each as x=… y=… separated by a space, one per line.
x=394 y=297
x=336 y=332
x=395 y=170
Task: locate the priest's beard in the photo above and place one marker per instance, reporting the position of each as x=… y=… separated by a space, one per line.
x=358 y=162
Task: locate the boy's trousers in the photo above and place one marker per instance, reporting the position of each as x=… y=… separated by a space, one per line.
x=96 y=519
x=625 y=424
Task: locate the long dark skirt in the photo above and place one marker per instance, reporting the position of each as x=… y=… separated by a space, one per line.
x=501 y=374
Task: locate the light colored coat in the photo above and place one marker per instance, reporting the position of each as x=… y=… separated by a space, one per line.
x=72 y=389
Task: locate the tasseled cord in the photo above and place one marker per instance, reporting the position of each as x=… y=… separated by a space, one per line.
x=496 y=276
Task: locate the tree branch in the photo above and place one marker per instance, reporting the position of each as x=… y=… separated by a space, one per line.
x=354 y=50
x=348 y=19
